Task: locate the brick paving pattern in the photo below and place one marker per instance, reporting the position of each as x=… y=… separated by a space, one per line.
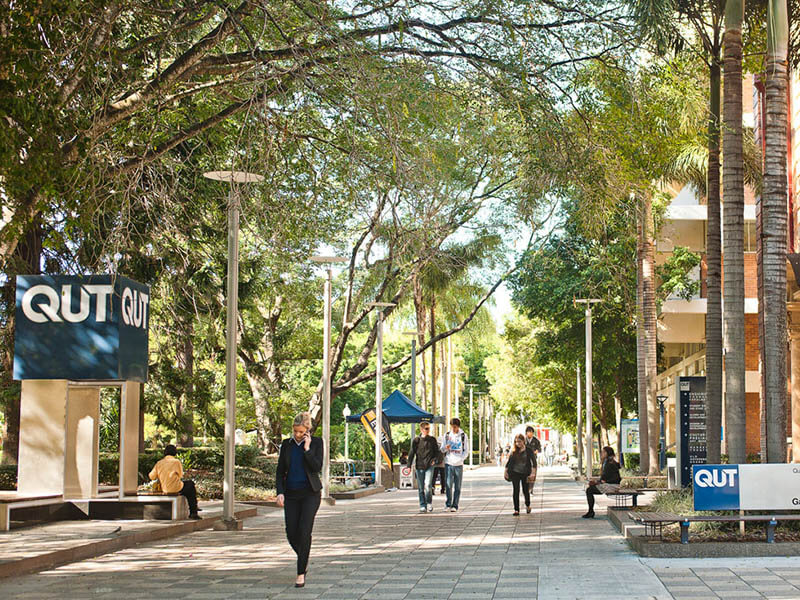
x=382 y=548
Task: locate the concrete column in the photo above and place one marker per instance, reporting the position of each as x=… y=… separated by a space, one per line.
x=82 y=442
x=794 y=339
x=42 y=437
x=129 y=439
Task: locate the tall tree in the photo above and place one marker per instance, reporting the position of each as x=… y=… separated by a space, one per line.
x=662 y=22
x=774 y=231
x=650 y=331
x=733 y=244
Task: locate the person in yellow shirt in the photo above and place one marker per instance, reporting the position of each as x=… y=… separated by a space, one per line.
x=169 y=472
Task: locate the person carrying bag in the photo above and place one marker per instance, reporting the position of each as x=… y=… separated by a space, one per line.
x=518 y=469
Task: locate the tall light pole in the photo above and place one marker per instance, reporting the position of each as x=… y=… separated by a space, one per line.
x=455 y=390
x=346 y=413
x=328 y=262
x=232 y=300
x=413 y=335
x=588 y=302
x=381 y=306
x=579 y=431
x=471 y=386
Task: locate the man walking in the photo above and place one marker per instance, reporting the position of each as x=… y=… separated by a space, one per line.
x=533 y=444
x=424 y=448
x=456 y=448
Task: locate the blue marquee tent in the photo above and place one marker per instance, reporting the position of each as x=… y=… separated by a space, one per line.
x=399 y=409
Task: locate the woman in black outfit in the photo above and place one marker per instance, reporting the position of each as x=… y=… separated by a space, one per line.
x=298 y=484
x=609 y=479
x=520 y=464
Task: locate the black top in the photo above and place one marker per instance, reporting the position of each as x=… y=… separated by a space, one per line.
x=522 y=463
x=426 y=450
x=610 y=472
x=312 y=462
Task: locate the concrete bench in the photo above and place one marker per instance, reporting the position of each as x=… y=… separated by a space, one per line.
x=12 y=501
x=148 y=506
x=655 y=521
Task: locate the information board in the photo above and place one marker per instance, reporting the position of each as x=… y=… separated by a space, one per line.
x=630 y=436
x=746 y=487
x=691 y=430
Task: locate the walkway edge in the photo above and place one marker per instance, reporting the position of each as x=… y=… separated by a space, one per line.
x=94 y=548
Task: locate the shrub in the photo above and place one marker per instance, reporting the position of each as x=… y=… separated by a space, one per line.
x=8 y=477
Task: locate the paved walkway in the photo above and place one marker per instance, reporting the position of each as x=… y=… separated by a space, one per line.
x=381 y=548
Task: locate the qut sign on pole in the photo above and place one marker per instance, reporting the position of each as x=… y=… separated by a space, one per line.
x=74 y=335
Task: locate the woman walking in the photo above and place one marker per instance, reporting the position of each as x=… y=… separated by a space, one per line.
x=298 y=485
x=520 y=464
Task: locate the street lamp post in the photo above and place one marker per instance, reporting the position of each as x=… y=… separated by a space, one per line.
x=346 y=413
x=413 y=335
x=579 y=433
x=328 y=261
x=662 y=455
x=232 y=300
x=471 y=386
x=455 y=390
x=379 y=388
x=588 y=302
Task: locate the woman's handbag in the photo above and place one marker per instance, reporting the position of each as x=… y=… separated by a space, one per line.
x=506 y=476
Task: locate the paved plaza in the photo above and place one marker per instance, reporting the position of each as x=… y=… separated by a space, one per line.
x=381 y=548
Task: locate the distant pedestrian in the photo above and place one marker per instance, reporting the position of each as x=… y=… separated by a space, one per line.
x=518 y=468
x=169 y=473
x=535 y=446
x=609 y=479
x=455 y=446
x=298 y=485
x=549 y=453
x=425 y=449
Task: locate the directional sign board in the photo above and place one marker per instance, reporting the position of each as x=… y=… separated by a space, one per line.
x=746 y=487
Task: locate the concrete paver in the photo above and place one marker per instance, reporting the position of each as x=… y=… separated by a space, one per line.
x=382 y=548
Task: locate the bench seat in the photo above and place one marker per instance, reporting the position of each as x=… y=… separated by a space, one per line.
x=622 y=495
x=655 y=521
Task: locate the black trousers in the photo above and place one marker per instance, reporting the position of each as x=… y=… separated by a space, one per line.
x=520 y=481
x=591 y=492
x=189 y=492
x=299 y=509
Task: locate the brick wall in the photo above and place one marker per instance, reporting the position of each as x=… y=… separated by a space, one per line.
x=751 y=352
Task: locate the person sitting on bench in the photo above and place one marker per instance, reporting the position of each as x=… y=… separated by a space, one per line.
x=169 y=472
x=609 y=479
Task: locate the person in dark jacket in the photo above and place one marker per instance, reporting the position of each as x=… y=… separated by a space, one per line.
x=609 y=479
x=535 y=446
x=425 y=449
x=518 y=468
x=298 y=485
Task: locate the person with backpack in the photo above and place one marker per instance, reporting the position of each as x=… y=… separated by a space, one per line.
x=455 y=446
x=426 y=450
x=535 y=446
x=518 y=469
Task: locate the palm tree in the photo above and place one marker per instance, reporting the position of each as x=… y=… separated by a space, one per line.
x=733 y=245
x=661 y=22
x=650 y=343
x=773 y=232
x=641 y=351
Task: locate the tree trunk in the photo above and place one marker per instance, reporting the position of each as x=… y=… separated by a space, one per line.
x=650 y=325
x=713 y=277
x=733 y=230
x=774 y=231
x=641 y=359
x=184 y=405
x=432 y=326
x=26 y=260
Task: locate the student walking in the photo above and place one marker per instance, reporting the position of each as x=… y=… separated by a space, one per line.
x=609 y=479
x=518 y=468
x=455 y=446
x=425 y=449
x=298 y=485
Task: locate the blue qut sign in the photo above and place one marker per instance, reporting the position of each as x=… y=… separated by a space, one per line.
x=716 y=487
x=81 y=328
